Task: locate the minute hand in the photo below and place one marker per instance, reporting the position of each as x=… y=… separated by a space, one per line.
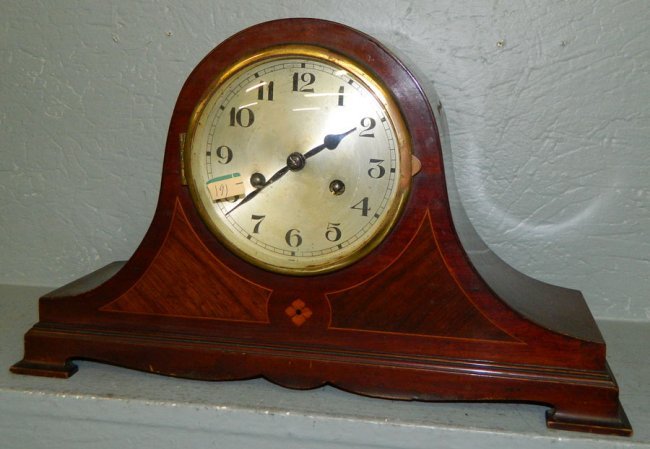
x=331 y=141
x=280 y=173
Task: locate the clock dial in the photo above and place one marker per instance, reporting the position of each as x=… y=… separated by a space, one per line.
x=298 y=160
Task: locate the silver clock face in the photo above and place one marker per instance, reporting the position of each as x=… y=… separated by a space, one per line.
x=298 y=160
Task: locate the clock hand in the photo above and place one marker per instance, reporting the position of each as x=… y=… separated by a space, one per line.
x=330 y=142
x=254 y=193
x=295 y=162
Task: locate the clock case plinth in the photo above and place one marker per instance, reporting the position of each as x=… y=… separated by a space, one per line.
x=431 y=314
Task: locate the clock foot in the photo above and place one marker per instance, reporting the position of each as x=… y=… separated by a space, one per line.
x=63 y=370
x=45 y=356
x=583 y=421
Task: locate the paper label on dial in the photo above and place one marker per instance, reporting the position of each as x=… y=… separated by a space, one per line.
x=226 y=186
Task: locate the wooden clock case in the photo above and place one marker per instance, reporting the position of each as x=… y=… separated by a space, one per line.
x=431 y=314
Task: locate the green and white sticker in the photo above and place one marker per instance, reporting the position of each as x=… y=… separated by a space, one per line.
x=225 y=186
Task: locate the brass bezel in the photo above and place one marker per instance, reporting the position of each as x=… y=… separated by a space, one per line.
x=383 y=96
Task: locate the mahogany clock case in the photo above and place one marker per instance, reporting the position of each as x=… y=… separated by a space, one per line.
x=430 y=314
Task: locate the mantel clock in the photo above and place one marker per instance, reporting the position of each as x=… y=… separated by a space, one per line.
x=309 y=231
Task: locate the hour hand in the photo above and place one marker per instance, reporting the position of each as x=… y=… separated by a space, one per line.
x=330 y=142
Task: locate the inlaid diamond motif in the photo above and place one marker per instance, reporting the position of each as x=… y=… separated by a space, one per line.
x=298 y=312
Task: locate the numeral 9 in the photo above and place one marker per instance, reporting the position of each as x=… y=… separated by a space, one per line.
x=224 y=154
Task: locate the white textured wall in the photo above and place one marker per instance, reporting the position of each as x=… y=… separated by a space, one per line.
x=547 y=101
